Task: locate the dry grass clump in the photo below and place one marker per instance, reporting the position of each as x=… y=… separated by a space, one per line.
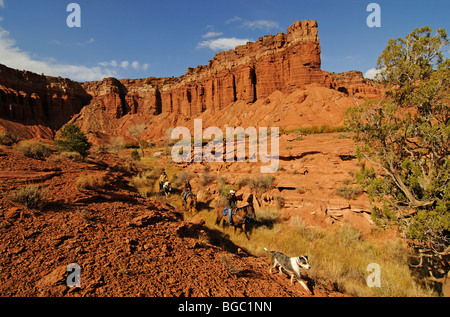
x=231 y=266
x=90 y=181
x=72 y=156
x=9 y=138
x=32 y=197
x=145 y=182
x=349 y=191
x=34 y=149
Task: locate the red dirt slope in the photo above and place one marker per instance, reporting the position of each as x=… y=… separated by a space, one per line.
x=126 y=245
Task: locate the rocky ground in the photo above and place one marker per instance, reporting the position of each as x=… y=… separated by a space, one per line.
x=126 y=245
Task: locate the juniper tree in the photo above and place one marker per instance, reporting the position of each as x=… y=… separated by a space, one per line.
x=72 y=139
x=406 y=137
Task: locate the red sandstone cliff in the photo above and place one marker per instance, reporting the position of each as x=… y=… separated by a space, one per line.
x=246 y=76
x=249 y=72
x=36 y=100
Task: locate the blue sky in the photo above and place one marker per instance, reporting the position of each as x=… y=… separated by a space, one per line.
x=139 y=39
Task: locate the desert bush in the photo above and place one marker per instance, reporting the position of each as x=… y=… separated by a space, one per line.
x=281 y=201
x=182 y=177
x=300 y=190
x=34 y=149
x=9 y=138
x=72 y=156
x=349 y=191
x=261 y=184
x=32 y=197
x=90 y=181
x=231 y=266
x=325 y=128
x=207 y=178
x=116 y=143
x=243 y=182
x=144 y=182
x=135 y=155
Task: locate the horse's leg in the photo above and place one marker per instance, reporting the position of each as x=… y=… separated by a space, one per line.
x=245 y=231
x=218 y=218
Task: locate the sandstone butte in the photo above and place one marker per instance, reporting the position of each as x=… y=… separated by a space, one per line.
x=275 y=81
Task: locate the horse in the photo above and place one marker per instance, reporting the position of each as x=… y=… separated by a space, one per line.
x=191 y=202
x=167 y=188
x=240 y=217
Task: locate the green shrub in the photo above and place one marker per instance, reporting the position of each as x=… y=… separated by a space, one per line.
x=73 y=140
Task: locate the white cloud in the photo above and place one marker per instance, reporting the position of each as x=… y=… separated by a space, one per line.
x=125 y=65
x=211 y=34
x=12 y=56
x=135 y=65
x=2 y=5
x=261 y=24
x=57 y=42
x=371 y=73
x=257 y=24
x=234 y=19
x=222 y=44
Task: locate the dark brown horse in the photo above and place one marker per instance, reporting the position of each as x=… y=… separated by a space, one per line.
x=240 y=217
x=191 y=203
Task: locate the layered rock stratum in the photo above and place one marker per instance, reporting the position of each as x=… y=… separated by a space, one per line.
x=276 y=80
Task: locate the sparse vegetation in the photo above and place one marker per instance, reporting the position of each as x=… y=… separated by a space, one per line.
x=339 y=257
x=315 y=129
x=32 y=197
x=145 y=182
x=406 y=136
x=261 y=184
x=135 y=155
x=90 y=181
x=300 y=190
x=9 y=138
x=207 y=178
x=349 y=191
x=73 y=140
x=136 y=132
x=72 y=156
x=34 y=149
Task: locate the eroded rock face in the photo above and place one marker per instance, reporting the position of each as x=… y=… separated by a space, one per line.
x=30 y=98
x=251 y=73
x=353 y=83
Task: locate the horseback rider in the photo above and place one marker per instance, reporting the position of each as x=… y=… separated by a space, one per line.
x=187 y=190
x=231 y=204
x=162 y=179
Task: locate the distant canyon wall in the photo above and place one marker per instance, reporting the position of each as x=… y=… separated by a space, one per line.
x=30 y=98
x=249 y=72
x=284 y=62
